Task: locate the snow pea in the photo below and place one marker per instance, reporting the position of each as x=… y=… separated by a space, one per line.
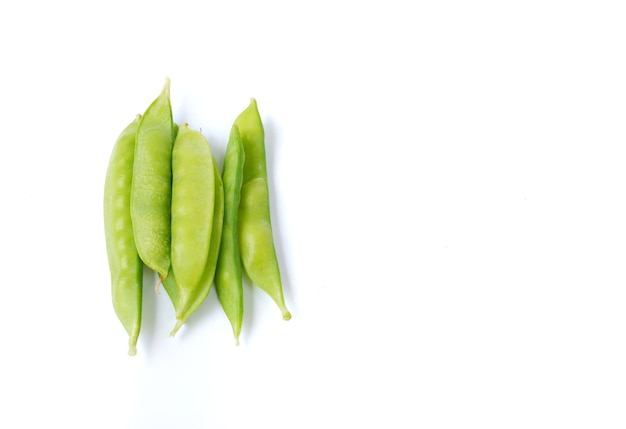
x=228 y=276
x=125 y=265
x=151 y=191
x=256 y=242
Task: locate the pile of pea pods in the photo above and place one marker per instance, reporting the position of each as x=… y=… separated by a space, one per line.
x=167 y=206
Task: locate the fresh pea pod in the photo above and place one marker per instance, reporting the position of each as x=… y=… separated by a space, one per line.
x=228 y=276
x=256 y=242
x=151 y=192
x=204 y=287
x=193 y=188
x=218 y=225
x=193 y=222
x=124 y=263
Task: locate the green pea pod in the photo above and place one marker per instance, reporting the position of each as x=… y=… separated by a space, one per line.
x=187 y=297
x=218 y=225
x=228 y=276
x=151 y=192
x=193 y=189
x=124 y=263
x=256 y=242
x=171 y=287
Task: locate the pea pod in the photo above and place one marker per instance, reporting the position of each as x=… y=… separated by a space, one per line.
x=204 y=287
x=196 y=228
x=124 y=263
x=193 y=189
x=151 y=192
x=256 y=242
x=228 y=276
x=218 y=225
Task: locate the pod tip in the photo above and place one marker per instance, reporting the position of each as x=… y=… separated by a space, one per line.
x=179 y=323
x=132 y=350
x=166 y=87
x=286 y=315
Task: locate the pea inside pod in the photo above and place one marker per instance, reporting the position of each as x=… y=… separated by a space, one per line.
x=124 y=263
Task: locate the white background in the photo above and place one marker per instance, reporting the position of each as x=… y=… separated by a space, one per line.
x=448 y=190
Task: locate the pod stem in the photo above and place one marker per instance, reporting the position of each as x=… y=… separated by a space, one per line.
x=156 y=287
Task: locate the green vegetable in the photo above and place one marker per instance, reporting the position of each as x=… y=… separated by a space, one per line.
x=256 y=241
x=166 y=206
x=124 y=263
x=193 y=190
x=197 y=215
x=228 y=276
x=151 y=192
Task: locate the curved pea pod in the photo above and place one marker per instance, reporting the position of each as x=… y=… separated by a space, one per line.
x=124 y=263
x=218 y=225
x=228 y=275
x=256 y=242
x=151 y=191
x=196 y=235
